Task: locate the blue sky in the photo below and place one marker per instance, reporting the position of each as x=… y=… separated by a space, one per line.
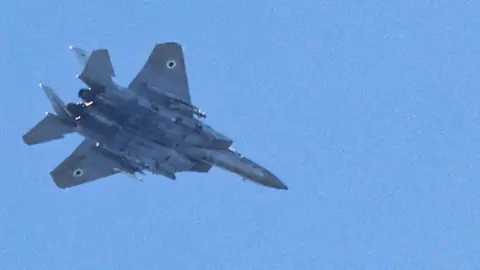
x=368 y=112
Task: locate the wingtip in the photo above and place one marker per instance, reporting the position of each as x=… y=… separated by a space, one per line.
x=26 y=140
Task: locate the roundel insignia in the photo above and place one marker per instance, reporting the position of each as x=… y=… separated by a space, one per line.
x=171 y=64
x=78 y=173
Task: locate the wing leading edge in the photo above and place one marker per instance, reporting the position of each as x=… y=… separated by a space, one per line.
x=164 y=73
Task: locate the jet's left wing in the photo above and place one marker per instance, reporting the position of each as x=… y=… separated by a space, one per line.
x=84 y=165
x=163 y=75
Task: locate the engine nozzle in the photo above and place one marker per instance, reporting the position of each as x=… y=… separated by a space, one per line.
x=86 y=95
x=76 y=110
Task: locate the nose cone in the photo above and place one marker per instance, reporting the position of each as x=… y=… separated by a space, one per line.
x=270 y=180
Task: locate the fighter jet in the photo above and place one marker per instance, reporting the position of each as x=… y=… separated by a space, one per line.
x=149 y=126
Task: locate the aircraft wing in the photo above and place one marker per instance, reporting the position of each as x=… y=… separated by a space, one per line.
x=163 y=73
x=84 y=165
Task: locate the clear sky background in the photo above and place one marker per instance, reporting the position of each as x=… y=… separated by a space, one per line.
x=368 y=112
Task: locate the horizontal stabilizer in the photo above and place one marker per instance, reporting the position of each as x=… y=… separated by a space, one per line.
x=50 y=128
x=99 y=70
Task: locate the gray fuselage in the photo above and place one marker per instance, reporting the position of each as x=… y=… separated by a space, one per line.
x=162 y=140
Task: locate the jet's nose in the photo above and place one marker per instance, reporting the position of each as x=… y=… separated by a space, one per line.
x=269 y=179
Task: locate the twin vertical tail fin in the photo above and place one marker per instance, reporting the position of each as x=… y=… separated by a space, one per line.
x=97 y=70
x=97 y=67
x=52 y=126
x=57 y=104
x=81 y=55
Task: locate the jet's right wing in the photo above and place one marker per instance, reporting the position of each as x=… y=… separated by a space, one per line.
x=84 y=165
x=164 y=73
